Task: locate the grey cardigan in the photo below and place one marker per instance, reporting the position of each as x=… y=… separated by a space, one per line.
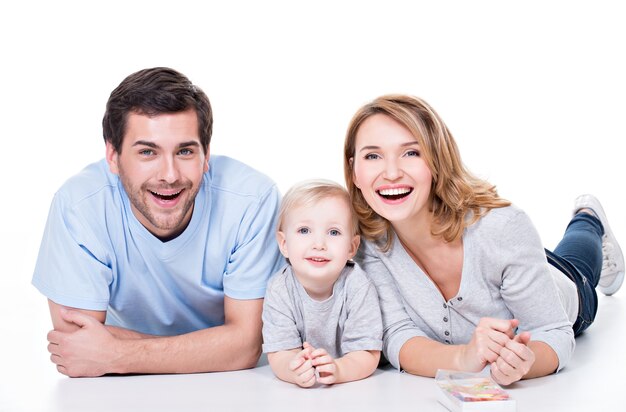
x=505 y=275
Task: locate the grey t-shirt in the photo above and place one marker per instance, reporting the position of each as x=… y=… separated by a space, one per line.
x=348 y=321
x=505 y=275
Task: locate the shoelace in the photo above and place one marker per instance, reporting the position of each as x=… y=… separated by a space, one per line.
x=607 y=256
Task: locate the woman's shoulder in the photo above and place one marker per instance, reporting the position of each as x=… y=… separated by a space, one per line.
x=370 y=251
x=505 y=225
x=498 y=218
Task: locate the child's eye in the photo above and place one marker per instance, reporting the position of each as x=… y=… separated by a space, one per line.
x=334 y=232
x=303 y=230
x=372 y=156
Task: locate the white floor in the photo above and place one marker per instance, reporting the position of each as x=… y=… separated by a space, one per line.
x=28 y=382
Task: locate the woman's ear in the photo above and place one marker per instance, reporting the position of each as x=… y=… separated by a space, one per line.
x=356 y=183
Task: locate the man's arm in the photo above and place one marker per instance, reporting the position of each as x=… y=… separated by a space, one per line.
x=92 y=350
x=62 y=325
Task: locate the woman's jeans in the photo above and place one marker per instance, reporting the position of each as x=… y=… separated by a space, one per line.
x=579 y=257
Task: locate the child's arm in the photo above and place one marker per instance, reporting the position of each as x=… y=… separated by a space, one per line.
x=293 y=366
x=350 y=367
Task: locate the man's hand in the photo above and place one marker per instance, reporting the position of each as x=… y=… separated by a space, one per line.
x=88 y=351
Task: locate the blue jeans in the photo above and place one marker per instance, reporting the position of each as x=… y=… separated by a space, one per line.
x=579 y=257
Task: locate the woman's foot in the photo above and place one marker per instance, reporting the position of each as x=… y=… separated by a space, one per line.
x=612 y=275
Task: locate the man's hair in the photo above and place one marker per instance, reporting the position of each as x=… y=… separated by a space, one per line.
x=150 y=92
x=457 y=197
x=308 y=193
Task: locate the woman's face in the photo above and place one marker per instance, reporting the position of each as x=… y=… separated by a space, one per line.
x=389 y=170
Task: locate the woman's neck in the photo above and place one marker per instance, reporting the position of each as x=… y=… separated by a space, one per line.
x=417 y=232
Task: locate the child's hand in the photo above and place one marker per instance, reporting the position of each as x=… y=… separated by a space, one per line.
x=514 y=361
x=302 y=367
x=325 y=366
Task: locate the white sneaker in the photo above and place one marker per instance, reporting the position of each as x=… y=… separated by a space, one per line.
x=612 y=275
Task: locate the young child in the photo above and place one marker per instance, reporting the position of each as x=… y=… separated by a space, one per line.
x=321 y=317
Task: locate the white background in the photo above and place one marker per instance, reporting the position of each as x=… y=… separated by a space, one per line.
x=533 y=91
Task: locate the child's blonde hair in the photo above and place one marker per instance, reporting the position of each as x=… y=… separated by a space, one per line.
x=308 y=193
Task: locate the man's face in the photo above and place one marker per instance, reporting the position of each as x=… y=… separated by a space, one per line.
x=161 y=164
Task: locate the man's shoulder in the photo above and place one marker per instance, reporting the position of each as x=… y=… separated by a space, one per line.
x=91 y=183
x=237 y=178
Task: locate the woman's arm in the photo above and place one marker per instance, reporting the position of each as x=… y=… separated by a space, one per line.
x=423 y=356
x=529 y=291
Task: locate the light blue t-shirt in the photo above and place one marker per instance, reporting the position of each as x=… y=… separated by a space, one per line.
x=96 y=255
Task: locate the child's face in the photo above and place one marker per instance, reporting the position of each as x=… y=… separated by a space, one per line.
x=318 y=240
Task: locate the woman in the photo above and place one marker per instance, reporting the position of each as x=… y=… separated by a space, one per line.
x=461 y=274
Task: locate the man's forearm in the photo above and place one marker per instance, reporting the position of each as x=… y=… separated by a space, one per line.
x=220 y=348
x=81 y=345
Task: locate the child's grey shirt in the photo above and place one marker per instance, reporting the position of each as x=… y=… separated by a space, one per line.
x=348 y=321
x=505 y=275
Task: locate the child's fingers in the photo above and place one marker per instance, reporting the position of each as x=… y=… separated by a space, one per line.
x=306 y=378
x=326 y=369
x=327 y=380
x=300 y=363
x=322 y=360
x=319 y=352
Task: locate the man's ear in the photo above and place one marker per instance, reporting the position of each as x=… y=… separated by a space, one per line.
x=354 y=245
x=112 y=158
x=206 y=159
x=282 y=243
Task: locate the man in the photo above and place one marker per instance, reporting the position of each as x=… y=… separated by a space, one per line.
x=171 y=248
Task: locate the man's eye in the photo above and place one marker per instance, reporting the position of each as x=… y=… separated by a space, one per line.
x=185 y=152
x=334 y=232
x=303 y=230
x=146 y=152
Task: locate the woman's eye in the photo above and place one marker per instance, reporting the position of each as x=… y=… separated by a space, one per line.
x=372 y=156
x=413 y=153
x=334 y=232
x=303 y=230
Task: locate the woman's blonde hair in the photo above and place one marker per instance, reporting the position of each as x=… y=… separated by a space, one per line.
x=457 y=198
x=308 y=193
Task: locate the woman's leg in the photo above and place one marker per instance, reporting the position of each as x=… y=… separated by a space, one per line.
x=579 y=257
x=590 y=256
x=582 y=246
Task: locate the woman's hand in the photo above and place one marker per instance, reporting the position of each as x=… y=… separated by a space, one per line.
x=515 y=360
x=489 y=338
